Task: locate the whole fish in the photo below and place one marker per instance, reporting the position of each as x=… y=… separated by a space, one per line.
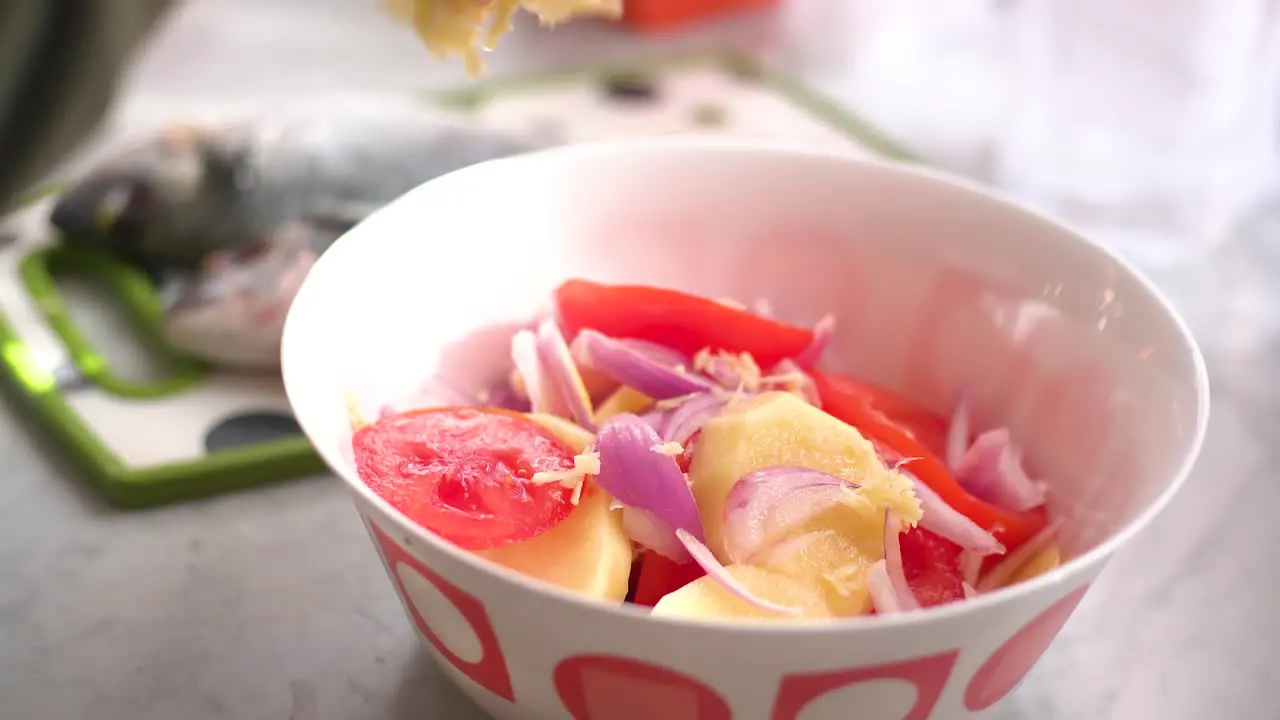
x=199 y=188
x=227 y=217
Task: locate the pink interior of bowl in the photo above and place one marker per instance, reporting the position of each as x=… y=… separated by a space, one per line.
x=936 y=287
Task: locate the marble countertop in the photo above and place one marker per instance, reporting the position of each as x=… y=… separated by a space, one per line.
x=233 y=608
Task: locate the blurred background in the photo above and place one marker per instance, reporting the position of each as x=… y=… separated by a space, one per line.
x=1150 y=124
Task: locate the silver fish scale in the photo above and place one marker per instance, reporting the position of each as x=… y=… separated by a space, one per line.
x=332 y=167
x=214 y=188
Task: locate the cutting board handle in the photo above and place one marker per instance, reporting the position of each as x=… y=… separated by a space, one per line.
x=40 y=271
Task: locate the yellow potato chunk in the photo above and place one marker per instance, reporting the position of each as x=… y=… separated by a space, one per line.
x=832 y=556
x=707 y=599
x=587 y=552
x=781 y=429
x=569 y=432
x=623 y=400
x=826 y=560
x=1040 y=563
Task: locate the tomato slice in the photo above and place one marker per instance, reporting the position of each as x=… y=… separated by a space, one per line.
x=464 y=473
x=660 y=576
x=897 y=442
x=931 y=564
x=684 y=322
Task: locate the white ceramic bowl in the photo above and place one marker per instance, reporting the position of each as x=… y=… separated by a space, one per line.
x=936 y=284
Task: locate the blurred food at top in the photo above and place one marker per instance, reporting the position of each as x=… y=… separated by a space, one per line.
x=468 y=27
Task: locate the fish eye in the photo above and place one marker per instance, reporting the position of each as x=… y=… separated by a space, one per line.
x=140 y=195
x=123 y=202
x=114 y=202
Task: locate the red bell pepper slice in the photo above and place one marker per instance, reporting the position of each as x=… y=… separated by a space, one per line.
x=660 y=576
x=929 y=427
x=846 y=400
x=680 y=321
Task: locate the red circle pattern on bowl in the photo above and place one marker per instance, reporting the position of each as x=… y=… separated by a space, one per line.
x=594 y=687
x=490 y=671
x=1008 y=665
x=608 y=687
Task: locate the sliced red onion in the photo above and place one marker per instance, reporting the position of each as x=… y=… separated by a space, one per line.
x=707 y=560
x=991 y=469
x=634 y=369
x=789 y=376
x=823 y=331
x=656 y=419
x=650 y=532
x=729 y=370
x=941 y=519
x=1001 y=574
x=718 y=368
x=883 y=597
x=893 y=563
x=543 y=398
x=437 y=391
x=660 y=354
x=502 y=395
x=559 y=367
x=765 y=505
x=958 y=431
x=686 y=419
x=632 y=472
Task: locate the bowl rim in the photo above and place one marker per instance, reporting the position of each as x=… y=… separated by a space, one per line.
x=708 y=146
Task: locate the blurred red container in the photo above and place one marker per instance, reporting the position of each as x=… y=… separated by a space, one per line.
x=654 y=15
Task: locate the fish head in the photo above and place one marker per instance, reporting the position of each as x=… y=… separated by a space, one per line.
x=231 y=312
x=146 y=204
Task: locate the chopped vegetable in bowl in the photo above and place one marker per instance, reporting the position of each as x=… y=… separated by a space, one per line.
x=689 y=455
